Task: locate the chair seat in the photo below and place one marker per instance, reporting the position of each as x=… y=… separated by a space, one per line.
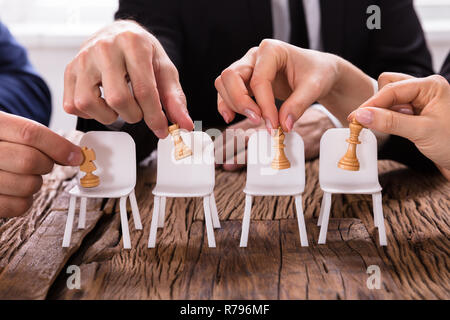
x=351 y=189
x=182 y=191
x=105 y=192
x=258 y=190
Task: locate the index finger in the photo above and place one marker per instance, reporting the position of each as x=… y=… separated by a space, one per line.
x=27 y=132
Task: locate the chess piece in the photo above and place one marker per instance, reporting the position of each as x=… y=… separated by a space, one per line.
x=181 y=149
x=90 y=180
x=349 y=161
x=279 y=161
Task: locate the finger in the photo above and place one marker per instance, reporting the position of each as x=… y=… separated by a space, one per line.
x=139 y=63
x=239 y=96
x=69 y=93
x=417 y=92
x=19 y=130
x=88 y=100
x=19 y=185
x=14 y=206
x=389 y=77
x=116 y=91
x=225 y=111
x=268 y=62
x=296 y=104
x=171 y=93
x=22 y=159
x=391 y=122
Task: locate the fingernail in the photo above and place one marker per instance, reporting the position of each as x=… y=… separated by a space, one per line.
x=289 y=122
x=364 y=116
x=269 y=126
x=406 y=111
x=226 y=116
x=160 y=133
x=252 y=116
x=75 y=158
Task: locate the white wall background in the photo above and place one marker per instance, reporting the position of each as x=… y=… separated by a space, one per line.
x=53 y=30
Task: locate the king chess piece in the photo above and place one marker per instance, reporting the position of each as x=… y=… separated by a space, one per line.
x=280 y=160
x=181 y=149
x=90 y=180
x=349 y=161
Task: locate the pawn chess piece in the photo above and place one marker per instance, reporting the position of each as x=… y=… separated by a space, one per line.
x=181 y=149
x=349 y=161
x=279 y=161
x=90 y=180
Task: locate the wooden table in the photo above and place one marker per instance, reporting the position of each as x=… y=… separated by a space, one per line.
x=414 y=265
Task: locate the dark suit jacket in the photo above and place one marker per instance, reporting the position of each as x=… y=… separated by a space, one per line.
x=445 y=71
x=203 y=37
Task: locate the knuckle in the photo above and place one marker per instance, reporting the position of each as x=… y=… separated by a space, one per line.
x=142 y=90
x=255 y=81
x=116 y=100
x=391 y=122
x=82 y=104
x=69 y=107
x=439 y=80
x=82 y=59
x=103 y=47
x=218 y=82
x=267 y=43
x=29 y=133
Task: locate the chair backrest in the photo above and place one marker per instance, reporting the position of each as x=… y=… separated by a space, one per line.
x=259 y=159
x=333 y=146
x=196 y=170
x=115 y=158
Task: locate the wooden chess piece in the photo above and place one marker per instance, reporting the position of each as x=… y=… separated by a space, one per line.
x=349 y=161
x=90 y=180
x=279 y=161
x=181 y=149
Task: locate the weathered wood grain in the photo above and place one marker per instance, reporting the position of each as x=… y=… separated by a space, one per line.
x=414 y=265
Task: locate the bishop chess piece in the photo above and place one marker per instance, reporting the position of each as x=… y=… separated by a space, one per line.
x=181 y=149
x=349 y=161
x=90 y=180
x=279 y=161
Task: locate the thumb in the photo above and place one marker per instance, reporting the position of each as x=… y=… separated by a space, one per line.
x=391 y=122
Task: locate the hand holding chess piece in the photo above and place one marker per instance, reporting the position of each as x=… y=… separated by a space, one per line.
x=90 y=180
x=349 y=161
x=181 y=149
x=280 y=160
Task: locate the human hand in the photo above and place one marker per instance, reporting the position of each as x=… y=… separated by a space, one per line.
x=118 y=53
x=28 y=150
x=233 y=155
x=298 y=76
x=415 y=108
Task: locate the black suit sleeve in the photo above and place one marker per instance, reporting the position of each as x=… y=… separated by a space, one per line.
x=445 y=71
x=399 y=45
x=159 y=17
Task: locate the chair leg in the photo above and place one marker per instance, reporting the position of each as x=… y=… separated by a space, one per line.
x=301 y=221
x=246 y=220
x=154 y=225
x=82 y=215
x=162 y=212
x=124 y=223
x=378 y=217
x=214 y=213
x=325 y=218
x=322 y=206
x=69 y=222
x=135 y=211
x=208 y=222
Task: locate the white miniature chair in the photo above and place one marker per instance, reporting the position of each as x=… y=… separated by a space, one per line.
x=192 y=176
x=116 y=167
x=262 y=180
x=333 y=179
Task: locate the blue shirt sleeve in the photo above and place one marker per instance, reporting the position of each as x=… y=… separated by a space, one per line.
x=22 y=91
